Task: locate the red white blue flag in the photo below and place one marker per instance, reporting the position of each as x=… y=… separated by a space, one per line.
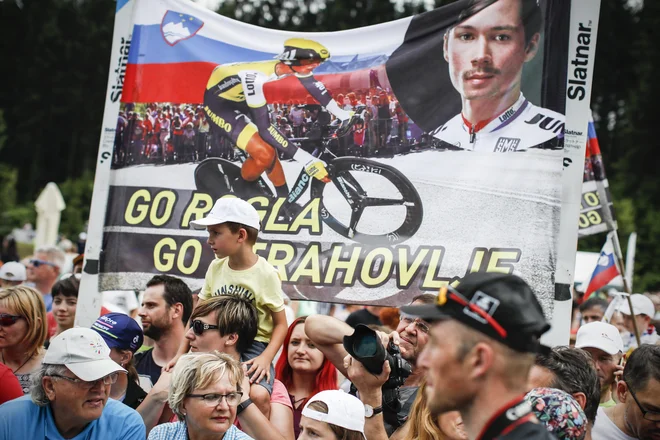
x=606 y=269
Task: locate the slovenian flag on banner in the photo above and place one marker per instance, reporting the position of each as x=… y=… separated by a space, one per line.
x=606 y=269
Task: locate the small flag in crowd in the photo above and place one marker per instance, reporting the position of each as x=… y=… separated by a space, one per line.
x=606 y=269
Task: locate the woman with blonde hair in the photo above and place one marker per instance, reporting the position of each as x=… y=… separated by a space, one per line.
x=421 y=425
x=23 y=332
x=205 y=393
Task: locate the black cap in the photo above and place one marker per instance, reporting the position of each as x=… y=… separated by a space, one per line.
x=499 y=305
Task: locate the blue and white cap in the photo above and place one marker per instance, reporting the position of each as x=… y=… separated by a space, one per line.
x=119 y=331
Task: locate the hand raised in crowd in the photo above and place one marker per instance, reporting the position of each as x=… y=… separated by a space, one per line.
x=386 y=338
x=365 y=382
x=170 y=365
x=162 y=387
x=259 y=368
x=618 y=373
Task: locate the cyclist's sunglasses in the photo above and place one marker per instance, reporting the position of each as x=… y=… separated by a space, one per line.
x=305 y=62
x=37 y=263
x=448 y=293
x=200 y=327
x=7 y=320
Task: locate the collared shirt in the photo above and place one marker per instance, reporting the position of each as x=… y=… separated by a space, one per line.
x=178 y=431
x=22 y=418
x=521 y=127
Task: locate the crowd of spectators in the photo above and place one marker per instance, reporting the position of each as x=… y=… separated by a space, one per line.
x=181 y=133
x=464 y=363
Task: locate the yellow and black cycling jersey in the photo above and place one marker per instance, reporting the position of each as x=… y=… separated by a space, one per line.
x=225 y=81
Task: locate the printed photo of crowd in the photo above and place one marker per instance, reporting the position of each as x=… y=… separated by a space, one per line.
x=168 y=133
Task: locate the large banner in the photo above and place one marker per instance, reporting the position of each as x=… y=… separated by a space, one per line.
x=385 y=161
x=595 y=216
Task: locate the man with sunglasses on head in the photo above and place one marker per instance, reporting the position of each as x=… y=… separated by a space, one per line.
x=70 y=395
x=43 y=271
x=484 y=338
x=637 y=415
x=411 y=336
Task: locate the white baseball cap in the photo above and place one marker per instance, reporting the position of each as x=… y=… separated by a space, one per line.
x=229 y=209
x=343 y=410
x=600 y=335
x=13 y=271
x=642 y=305
x=84 y=352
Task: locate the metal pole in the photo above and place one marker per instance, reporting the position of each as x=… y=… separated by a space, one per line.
x=626 y=285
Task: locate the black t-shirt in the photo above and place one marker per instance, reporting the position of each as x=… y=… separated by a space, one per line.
x=407 y=397
x=527 y=430
x=514 y=421
x=134 y=395
x=145 y=365
x=362 y=317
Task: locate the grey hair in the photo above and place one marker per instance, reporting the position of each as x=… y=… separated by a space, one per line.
x=37 y=391
x=200 y=370
x=55 y=255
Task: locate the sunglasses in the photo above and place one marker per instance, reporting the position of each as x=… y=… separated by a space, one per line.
x=200 y=327
x=37 y=263
x=7 y=320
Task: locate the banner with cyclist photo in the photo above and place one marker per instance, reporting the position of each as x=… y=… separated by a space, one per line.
x=385 y=161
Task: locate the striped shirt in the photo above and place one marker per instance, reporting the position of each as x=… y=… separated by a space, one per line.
x=178 y=431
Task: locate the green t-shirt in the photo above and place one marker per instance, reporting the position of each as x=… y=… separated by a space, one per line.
x=610 y=403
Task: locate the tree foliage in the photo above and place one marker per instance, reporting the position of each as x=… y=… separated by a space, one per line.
x=52 y=100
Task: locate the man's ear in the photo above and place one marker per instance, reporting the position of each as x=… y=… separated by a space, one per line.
x=532 y=47
x=49 y=389
x=622 y=391
x=581 y=399
x=480 y=359
x=445 y=49
x=177 y=311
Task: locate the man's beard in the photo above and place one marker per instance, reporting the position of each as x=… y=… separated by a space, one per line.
x=154 y=332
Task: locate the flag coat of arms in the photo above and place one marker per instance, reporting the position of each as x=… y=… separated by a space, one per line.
x=177 y=27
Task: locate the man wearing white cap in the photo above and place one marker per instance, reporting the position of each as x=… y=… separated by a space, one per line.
x=69 y=396
x=12 y=274
x=644 y=311
x=603 y=342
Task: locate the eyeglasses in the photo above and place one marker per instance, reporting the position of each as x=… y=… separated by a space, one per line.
x=653 y=416
x=7 y=320
x=37 y=263
x=107 y=380
x=449 y=293
x=419 y=324
x=214 y=399
x=200 y=327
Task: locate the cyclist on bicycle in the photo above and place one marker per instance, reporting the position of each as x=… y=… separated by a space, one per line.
x=235 y=104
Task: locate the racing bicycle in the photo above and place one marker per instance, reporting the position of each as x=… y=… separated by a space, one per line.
x=356 y=187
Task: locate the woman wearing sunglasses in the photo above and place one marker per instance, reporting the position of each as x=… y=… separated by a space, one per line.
x=22 y=332
x=205 y=392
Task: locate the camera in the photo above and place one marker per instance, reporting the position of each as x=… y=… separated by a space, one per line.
x=365 y=346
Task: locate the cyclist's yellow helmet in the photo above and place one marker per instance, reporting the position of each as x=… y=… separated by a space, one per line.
x=297 y=50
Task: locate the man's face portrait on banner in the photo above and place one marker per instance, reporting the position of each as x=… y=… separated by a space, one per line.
x=486 y=51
